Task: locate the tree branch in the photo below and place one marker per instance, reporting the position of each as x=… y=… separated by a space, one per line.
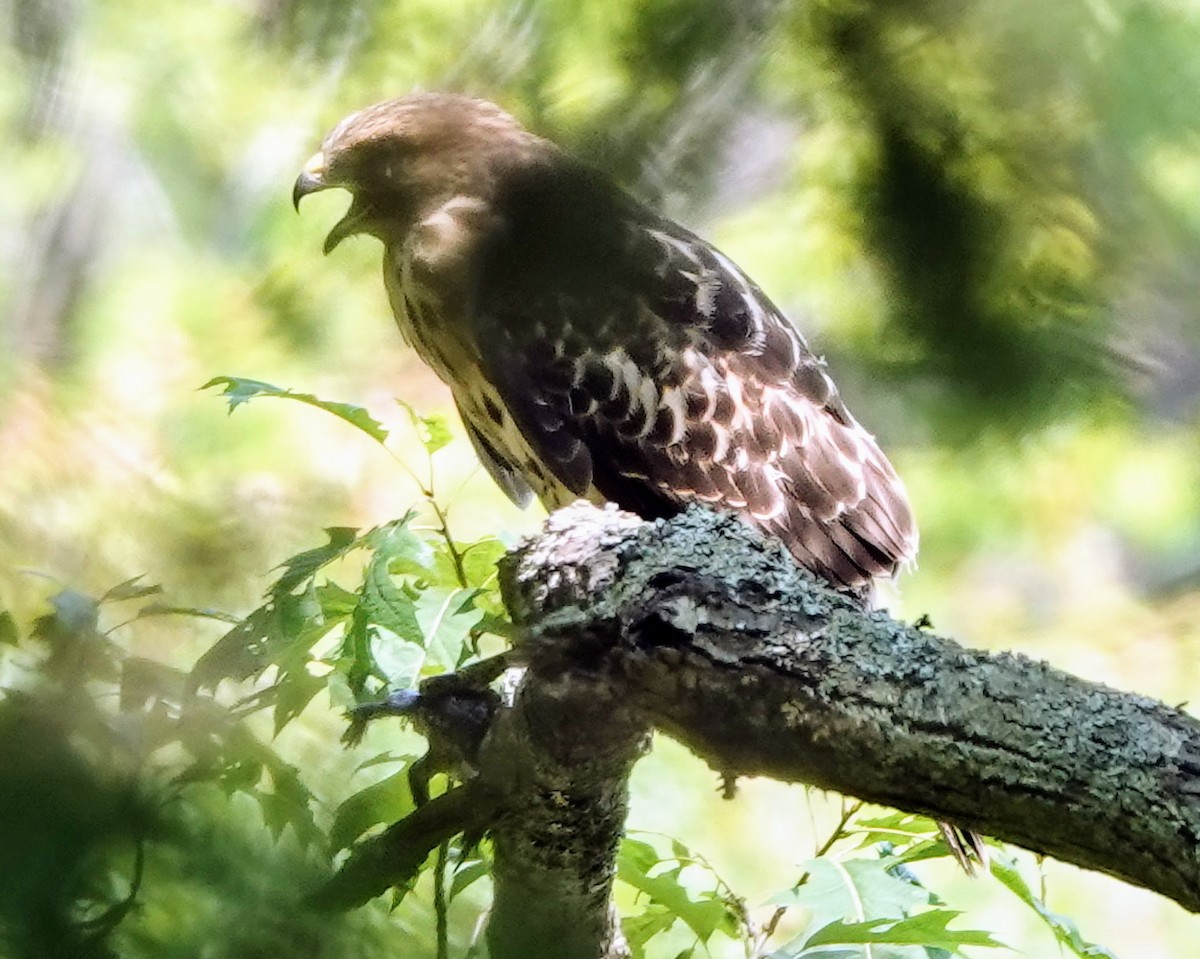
x=699 y=628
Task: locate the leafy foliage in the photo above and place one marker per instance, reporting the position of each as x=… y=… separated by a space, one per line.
x=240 y=390
x=873 y=907
x=1004 y=868
x=658 y=878
x=418 y=606
x=362 y=615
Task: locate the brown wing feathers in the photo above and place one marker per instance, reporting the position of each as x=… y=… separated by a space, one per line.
x=703 y=392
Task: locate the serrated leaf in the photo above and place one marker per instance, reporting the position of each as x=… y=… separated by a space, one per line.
x=897 y=822
x=356 y=662
x=640 y=929
x=446 y=618
x=854 y=889
x=383 y=759
x=387 y=801
x=404 y=551
x=289 y=803
x=496 y=625
x=926 y=929
x=1004 y=868
x=293 y=693
x=432 y=429
x=241 y=775
x=337 y=603
x=9 y=635
x=386 y=604
x=634 y=864
x=284 y=628
x=130 y=589
x=341 y=696
x=479 y=560
x=305 y=565
x=239 y=390
x=241 y=652
x=638 y=855
x=901 y=829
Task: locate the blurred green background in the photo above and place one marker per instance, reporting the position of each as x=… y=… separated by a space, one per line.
x=987 y=217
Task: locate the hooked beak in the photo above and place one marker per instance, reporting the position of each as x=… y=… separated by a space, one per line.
x=312 y=180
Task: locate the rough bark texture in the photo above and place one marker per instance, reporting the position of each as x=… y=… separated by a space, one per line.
x=563 y=752
x=556 y=841
x=699 y=628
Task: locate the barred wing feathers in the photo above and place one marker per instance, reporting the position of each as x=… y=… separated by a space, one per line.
x=641 y=366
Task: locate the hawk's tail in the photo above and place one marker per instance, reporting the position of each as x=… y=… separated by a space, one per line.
x=967 y=847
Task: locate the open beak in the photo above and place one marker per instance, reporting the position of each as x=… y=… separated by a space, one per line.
x=312 y=180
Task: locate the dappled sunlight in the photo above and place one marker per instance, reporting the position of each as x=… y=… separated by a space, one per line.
x=987 y=219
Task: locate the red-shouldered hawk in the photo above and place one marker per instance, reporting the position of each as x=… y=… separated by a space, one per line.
x=598 y=350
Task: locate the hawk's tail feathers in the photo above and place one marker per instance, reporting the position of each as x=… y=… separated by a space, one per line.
x=967 y=847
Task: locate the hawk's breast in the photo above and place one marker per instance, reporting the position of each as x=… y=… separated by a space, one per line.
x=429 y=285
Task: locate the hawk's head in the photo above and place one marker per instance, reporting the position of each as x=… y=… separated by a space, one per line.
x=403 y=157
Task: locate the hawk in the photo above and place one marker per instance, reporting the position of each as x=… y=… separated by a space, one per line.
x=598 y=350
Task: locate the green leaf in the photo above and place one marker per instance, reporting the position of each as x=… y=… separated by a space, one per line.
x=283 y=629
x=480 y=558
x=341 y=696
x=241 y=775
x=703 y=915
x=496 y=625
x=382 y=759
x=9 y=635
x=305 y=565
x=1004 y=868
x=356 y=662
x=337 y=603
x=166 y=609
x=130 y=589
x=640 y=929
x=467 y=875
x=926 y=929
x=387 y=801
x=404 y=551
x=287 y=625
x=446 y=617
x=237 y=654
x=386 y=604
x=854 y=889
x=240 y=390
x=145 y=682
x=294 y=692
x=901 y=829
x=400 y=661
x=290 y=803
x=433 y=430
